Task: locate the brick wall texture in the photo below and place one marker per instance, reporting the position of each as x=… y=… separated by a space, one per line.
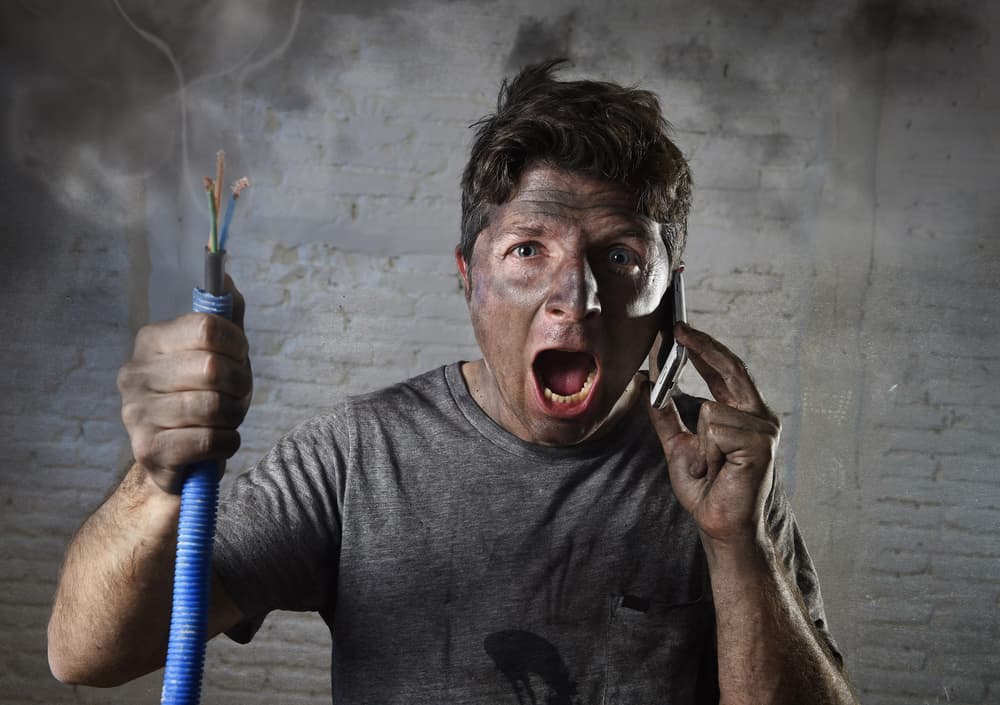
x=842 y=242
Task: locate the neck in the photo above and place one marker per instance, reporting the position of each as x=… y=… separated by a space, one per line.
x=485 y=391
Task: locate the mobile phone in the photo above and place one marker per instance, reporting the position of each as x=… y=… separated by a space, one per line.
x=670 y=358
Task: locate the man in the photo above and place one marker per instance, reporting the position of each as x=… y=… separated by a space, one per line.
x=520 y=527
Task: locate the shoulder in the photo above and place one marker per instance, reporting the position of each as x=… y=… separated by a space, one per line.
x=420 y=406
x=389 y=411
x=428 y=390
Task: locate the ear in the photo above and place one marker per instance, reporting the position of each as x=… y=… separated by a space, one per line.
x=463 y=268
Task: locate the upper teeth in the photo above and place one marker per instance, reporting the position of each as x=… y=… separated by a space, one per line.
x=572 y=398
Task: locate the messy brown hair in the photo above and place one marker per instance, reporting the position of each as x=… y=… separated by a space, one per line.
x=591 y=128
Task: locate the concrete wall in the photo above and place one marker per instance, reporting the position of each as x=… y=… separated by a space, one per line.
x=842 y=242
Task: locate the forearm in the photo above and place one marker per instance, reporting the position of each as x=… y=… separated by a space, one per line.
x=112 y=608
x=769 y=650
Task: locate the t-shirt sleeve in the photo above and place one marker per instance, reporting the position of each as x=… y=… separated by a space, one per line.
x=279 y=526
x=792 y=549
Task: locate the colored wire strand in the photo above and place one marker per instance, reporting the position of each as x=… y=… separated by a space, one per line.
x=218 y=233
x=230 y=208
x=220 y=170
x=213 y=232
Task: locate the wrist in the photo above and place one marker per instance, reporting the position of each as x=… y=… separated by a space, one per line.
x=146 y=506
x=741 y=555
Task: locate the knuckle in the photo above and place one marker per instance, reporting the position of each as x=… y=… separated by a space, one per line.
x=205 y=441
x=207 y=328
x=214 y=442
x=705 y=413
x=204 y=406
x=132 y=414
x=142 y=337
x=126 y=377
x=213 y=406
x=212 y=370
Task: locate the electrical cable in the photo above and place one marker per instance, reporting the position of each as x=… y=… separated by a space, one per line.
x=199 y=501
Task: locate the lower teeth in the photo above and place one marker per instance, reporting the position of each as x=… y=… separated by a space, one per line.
x=572 y=398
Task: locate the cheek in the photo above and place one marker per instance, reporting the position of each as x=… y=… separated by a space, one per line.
x=506 y=294
x=643 y=305
x=649 y=289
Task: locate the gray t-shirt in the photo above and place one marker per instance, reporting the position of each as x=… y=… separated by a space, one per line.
x=454 y=562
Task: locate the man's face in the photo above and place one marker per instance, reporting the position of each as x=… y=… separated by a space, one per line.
x=563 y=289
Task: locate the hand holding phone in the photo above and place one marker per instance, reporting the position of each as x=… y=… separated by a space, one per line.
x=670 y=359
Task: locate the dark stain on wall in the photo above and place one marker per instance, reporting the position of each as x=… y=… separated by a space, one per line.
x=878 y=24
x=692 y=59
x=776 y=147
x=538 y=40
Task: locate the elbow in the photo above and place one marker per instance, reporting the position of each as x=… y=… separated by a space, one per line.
x=63 y=671
x=58 y=655
x=61 y=663
x=71 y=665
x=73 y=672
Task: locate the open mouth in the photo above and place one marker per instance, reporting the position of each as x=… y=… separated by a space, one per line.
x=566 y=377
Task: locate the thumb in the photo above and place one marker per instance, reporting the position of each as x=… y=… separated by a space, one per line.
x=686 y=462
x=666 y=422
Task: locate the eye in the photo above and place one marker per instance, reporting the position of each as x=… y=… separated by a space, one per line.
x=527 y=249
x=621 y=257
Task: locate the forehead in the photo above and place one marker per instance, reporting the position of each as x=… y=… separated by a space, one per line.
x=546 y=193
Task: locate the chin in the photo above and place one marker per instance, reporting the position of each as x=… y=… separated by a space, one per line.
x=566 y=423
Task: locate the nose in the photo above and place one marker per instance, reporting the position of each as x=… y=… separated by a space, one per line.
x=573 y=291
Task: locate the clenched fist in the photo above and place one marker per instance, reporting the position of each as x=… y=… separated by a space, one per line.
x=185 y=391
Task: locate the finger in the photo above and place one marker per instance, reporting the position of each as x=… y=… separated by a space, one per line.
x=737 y=446
x=667 y=421
x=193 y=370
x=192 y=331
x=715 y=459
x=239 y=304
x=724 y=415
x=680 y=446
x=725 y=374
x=186 y=409
x=179 y=447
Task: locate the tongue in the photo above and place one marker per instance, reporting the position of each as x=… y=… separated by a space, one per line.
x=563 y=372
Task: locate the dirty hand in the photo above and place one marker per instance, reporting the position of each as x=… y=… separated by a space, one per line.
x=185 y=391
x=723 y=473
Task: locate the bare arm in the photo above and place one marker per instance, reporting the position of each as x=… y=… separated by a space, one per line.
x=184 y=393
x=769 y=650
x=111 y=614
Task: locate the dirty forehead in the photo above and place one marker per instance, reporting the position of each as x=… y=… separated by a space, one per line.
x=548 y=193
